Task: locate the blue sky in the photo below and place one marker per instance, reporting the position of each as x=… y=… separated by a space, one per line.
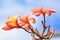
x=16 y=7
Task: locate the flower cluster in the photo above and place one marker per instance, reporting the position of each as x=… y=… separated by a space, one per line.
x=44 y=12
x=12 y=22
x=24 y=23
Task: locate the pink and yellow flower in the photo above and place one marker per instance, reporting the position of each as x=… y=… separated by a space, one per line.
x=43 y=11
x=25 y=21
x=11 y=23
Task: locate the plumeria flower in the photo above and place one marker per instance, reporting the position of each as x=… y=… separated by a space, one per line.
x=25 y=21
x=11 y=23
x=43 y=11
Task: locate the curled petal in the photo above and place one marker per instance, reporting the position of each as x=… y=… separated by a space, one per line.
x=28 y=17
x=22 y=18
x=52 y=10
x=36 y=12
x=32 y=20
x=11 y=25
x=48 y=13
x=7 y=28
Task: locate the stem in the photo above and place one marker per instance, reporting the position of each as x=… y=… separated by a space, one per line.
x=44 y=19
x=48 y=32
x=48 y=28
x=44 y=26
x=35 y=32
x=31 y=30
x=24 y=29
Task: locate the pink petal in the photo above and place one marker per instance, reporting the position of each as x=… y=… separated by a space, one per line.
x=48 y=13
x=36 y=12
x=6 y=28
x=32 y=20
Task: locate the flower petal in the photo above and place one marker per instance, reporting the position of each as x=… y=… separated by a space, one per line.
x=36 y=12
x=32 y=20
x=22 y=18
x=48 y=13
x=6 y=28
x=52 y=10
x=43 y=10
x=22 y=23
x=12 y=21
x=11 y=24
x=28 y=17
x=10 y=18
x=27 y=27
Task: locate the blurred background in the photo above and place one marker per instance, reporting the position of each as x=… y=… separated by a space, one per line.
x=16 y=7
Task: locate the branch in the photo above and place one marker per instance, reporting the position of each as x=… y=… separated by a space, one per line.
x=44 y=26
x=35 y=32
x=24 y=29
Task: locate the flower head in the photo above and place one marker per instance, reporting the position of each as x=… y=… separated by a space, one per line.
x=43 y=11
x=25 y=21
x=11 y=23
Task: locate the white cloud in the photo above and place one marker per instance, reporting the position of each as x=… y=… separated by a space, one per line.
x=14 y=34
